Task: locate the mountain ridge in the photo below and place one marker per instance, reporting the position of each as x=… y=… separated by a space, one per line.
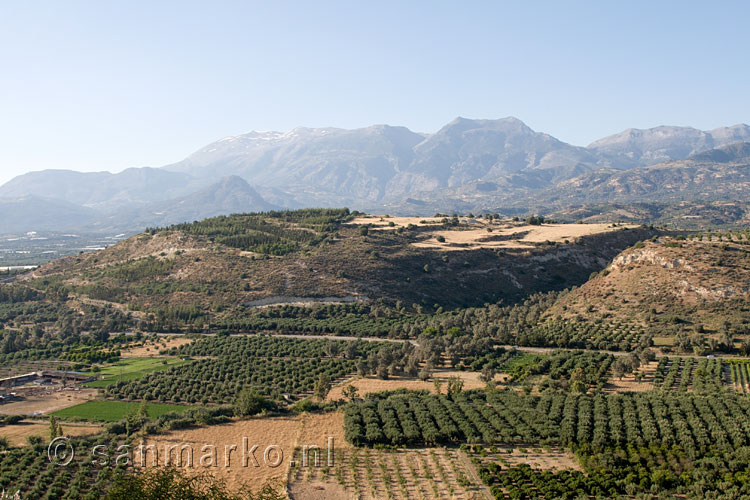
x=722 y=173
x=230 y=195
x=469 y=164
x=665 y=143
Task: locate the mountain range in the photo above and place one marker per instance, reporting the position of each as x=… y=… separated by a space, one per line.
x=466 y=165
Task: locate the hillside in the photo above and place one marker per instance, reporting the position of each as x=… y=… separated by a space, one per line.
x=671 y=286
x=218 y=268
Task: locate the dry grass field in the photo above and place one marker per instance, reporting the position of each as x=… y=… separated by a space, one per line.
x=18 y=433
x=481 y=233
x=383 y=222
x=315 y=430
x=511 y=236
x=211 y=447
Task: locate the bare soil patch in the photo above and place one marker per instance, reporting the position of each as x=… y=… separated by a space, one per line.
x=271 y=435
x=371 y=384
x=49 y=402
x=536 y=458
x=628 y=383
x=319 y=490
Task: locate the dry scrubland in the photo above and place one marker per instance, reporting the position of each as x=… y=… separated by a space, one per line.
x=150 y=348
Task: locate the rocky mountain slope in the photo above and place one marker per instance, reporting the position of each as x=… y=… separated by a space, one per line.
x=311 y=165
x=635 y=147
x=383 y=164
x=468 y=165
x=719 y=174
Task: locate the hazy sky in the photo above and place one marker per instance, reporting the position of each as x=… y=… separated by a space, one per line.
x=107 y=85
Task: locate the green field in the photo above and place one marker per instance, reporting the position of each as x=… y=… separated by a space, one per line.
x=112 y=411
x=663 y=341
x=521 y=360
x=131 y=369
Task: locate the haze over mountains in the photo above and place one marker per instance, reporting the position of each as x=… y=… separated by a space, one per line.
x=466 y=165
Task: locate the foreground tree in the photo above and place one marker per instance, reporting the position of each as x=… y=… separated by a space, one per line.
x=55 y=429
x=322 y=386
x=350 y=392
x=437 y=384
x=249 y=402
x=455 y=385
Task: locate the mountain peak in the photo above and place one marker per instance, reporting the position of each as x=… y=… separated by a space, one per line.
x=508 y=124
x=642 y=147
x=508 y=120
x=230 y=181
